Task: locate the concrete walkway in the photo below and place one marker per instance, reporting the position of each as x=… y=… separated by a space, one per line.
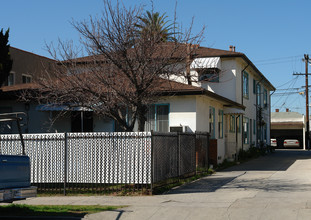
x=277 y=186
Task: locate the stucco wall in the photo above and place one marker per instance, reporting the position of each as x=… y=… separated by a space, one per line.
x=227 y=80
x=182 y=111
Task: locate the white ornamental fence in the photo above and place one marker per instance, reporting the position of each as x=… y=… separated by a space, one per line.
x=112 y=158
x=108 y=162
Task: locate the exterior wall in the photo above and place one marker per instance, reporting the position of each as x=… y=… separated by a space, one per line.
x=203 y=105
x=227 y=79
x=182 y=111
x=33 y=122
x=27 y=63
x=250 y=104
x=103 y=124
x=233 y=139
x=193 y=112
x=48 y=121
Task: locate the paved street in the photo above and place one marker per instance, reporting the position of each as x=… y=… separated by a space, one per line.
x=277 y=186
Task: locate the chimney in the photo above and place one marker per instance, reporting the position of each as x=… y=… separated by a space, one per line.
x=230 y=48
x=277 y=110
x=233 y=48
x=287 y=110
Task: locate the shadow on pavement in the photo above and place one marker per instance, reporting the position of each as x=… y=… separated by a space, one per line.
x=234 y=177
x=281 y=160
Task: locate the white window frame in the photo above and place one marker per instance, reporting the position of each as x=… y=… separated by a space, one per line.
x=28 y=76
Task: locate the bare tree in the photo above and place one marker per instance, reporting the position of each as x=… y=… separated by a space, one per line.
x=123 y=70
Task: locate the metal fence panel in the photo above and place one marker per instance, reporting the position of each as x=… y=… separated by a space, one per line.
x=187 y=153
x=107 y=159
x=201 y=149
x=165 y=156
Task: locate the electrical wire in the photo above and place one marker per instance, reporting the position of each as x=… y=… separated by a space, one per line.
x=280 y=58
x=285 y=95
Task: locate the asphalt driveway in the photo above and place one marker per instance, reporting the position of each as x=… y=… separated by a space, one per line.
x=277 y=186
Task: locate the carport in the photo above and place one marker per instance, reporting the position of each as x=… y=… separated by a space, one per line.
x=288 y=125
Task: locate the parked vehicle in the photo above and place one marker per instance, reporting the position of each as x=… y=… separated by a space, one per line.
x=273 y=142
x=15 y=171
x=291 y=143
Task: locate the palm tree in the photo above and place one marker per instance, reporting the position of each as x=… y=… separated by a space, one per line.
x=5 y=58
x=156 y=27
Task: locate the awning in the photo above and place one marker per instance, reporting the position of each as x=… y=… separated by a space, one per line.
x=55 y=107
x=208 y=62
x=233 y=111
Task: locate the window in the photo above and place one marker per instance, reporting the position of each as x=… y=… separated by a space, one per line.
x=254 y=86
x=158 y=118
x=209 y=74
x=81 y=121
x=246 y=130
x=245 y=85
x=258 y=95
x=26 y=78
x=265 y=98
x=232 y=123
x=220 y=124
x=11 y=80
x=212 y=122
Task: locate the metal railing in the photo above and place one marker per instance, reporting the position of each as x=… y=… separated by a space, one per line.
x=108 y=162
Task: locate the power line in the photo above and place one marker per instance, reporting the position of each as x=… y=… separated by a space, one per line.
x=279 y=58
x=270 y=63
x=288 y=82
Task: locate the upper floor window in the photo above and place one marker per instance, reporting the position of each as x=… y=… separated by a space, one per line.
x=209 y=74
x=10 y=80
x=245 y=85
x=26 y=78
x=265 y=98
x=258 y=95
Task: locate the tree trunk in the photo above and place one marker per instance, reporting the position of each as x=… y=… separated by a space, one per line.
x=141 y=117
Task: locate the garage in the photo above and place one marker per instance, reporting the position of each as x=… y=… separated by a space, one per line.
x=287 y=125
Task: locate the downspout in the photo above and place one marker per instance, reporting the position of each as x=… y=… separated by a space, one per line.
x=236 y=137
x=242 y=97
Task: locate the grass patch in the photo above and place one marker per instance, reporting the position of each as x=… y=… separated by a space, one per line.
x=174 y=182
x=53 y=210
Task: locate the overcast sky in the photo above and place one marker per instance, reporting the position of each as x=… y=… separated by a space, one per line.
x=274 y=35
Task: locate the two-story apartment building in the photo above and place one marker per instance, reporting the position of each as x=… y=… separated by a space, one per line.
x=228 y=97
x=232 y=75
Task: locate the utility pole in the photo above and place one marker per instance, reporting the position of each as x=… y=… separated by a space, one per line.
x=306 y=59
x=307 y=102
